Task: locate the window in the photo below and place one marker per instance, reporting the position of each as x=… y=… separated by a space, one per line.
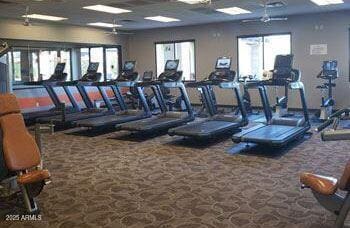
x=84 y=59
x=48 y=62
x=184 y=51
x=66 y=58
x=108 y=58
x=16 y=58
x=35 y=66
x=258 y=53
x=96 y=55
x=112 y=63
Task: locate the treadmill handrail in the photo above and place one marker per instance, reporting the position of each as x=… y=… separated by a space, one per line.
x=198 y=83
x=324 y=125
x=104 y=83
x=340 y=112
x=69 y=83
x=150 y=83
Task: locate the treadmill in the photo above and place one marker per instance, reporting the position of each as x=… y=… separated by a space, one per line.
x=335 y=134
x=278 y=131
x=49 y=85
x=171 y=78
x=90 y=111
x=217 y=124
x=128 y=78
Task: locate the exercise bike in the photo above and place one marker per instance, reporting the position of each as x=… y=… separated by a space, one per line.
x=329 y=73
x=332 y=193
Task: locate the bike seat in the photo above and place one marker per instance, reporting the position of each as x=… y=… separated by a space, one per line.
x=320 y=184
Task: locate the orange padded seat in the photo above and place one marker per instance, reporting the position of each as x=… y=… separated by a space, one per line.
x=320 y=184
x=20 y=149
x=8 y=104
x=33 y=177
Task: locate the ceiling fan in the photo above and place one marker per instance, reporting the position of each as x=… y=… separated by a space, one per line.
x=27 y=21
x=266 y=17
x=115 y=30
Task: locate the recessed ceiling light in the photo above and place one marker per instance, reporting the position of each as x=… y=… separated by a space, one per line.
x=192 y=1
x=107 y=9
x=233 y=10
x=106 y=25
x=162 y=19
x=327 y=2
x=45 y=17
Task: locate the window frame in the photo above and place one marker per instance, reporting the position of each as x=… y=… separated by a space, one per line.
x=37 y=50
x=175 y=42
x=105 y=57
x=263 y=48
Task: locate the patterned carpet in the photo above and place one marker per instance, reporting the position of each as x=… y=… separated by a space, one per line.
x=116 y=180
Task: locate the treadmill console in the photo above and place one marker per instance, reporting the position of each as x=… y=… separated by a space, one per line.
x=128 y=72
x=171 y=73
x=223 y=72
x=59 y=74
x=329 y=70
x=92 y=75
x=283 y=70
x=147 y=76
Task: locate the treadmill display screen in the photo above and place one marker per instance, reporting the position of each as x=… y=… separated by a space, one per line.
x=93 y=67
x=60 y=68
x=129 y=65
x=330 y=65
x=147 y=76
x=171 y=65
x=223 y=63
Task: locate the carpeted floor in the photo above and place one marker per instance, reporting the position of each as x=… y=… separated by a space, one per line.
x=115 y=180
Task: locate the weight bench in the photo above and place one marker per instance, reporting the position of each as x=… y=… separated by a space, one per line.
x=325 y=190
x=20 y=152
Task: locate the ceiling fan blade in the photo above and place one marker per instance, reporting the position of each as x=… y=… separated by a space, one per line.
x=278 y=19
x=252 y=20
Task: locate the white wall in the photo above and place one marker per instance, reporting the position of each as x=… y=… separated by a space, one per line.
x=209 y=46
x=13 y=29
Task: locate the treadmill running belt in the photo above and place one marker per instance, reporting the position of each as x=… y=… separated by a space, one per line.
x=153 y=124
x=108 y=120
x=34 y=115
x=273 y=134
x=204 y=129
x=72 y=117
